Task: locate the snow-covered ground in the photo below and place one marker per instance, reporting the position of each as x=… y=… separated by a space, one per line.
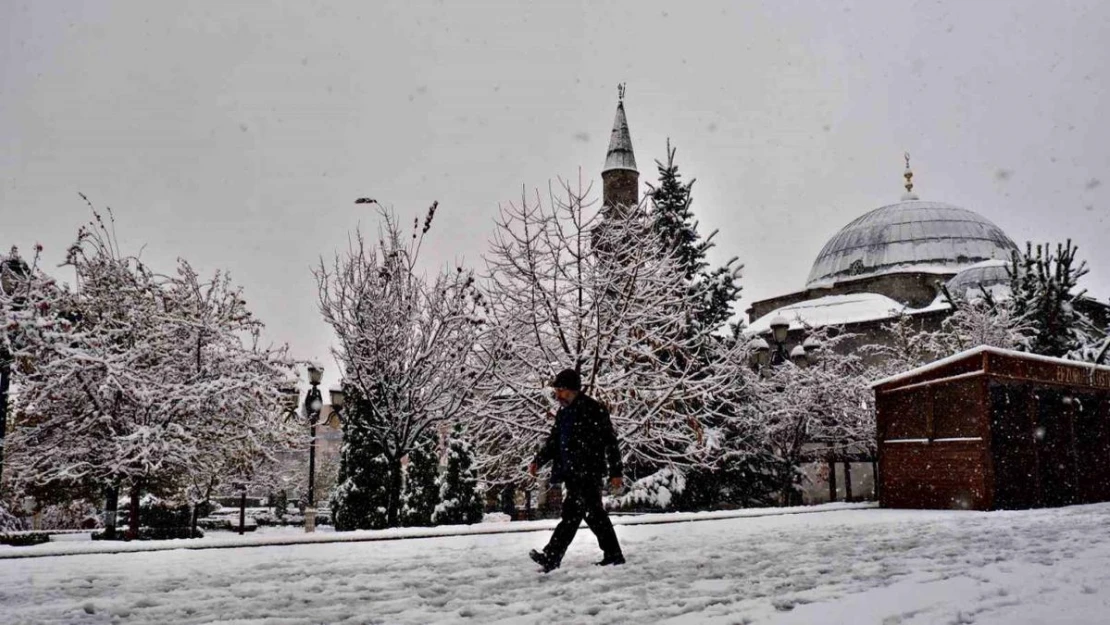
x=82 y=543
x=854 y=566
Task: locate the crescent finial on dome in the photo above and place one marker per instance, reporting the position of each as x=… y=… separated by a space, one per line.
x=909 y=194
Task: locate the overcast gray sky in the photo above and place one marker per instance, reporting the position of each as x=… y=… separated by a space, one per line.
x=238 y=137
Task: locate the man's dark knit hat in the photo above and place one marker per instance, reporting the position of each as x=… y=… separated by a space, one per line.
x=568 y=379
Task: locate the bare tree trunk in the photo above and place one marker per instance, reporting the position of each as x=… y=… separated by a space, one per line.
x=133 y=530
x=111 y=509
x=394 y=506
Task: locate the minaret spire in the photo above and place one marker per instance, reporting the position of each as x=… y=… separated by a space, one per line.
x=908 y=175
x=620 y=178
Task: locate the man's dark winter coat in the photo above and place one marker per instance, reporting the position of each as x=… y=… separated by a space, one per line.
x=582 y=443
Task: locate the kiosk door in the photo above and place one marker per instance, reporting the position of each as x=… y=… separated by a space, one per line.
x=1056 y=449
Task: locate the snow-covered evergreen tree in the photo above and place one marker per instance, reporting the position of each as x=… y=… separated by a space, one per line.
x=421 y=495
x=361 y=497
x=715 y=291
x=732 y=474
x=1045 y=292
x=404 y=342
x=460 y=500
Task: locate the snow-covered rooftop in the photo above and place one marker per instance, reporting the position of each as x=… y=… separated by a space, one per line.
x=835 y=310
x=985 y=349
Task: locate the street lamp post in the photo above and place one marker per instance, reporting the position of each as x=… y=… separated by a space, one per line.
x=780 y=328
x=312 y=403
x=799 y=356
x=762 y=354
x=242 y=488
x=338 y=399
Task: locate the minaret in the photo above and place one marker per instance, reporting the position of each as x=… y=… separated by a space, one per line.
x=620 y=178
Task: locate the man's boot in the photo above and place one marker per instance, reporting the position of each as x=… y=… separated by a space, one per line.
x=544 y=560
x=611 y=560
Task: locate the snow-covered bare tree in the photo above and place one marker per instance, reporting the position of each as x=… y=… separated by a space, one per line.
x=88 y=398
x=824 y=407
x=404 y=342
x=227 y=380
x=604 y=295
x=975 y=321
x=154 y=377
x=980 y=321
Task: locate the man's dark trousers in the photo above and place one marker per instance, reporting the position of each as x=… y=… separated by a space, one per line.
x=583 y=501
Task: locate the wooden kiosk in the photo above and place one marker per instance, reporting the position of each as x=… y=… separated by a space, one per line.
x=991 y=429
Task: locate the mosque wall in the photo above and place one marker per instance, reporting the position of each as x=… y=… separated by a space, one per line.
x=915 y=290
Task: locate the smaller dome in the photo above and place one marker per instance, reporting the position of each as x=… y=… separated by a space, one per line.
x=992 y=276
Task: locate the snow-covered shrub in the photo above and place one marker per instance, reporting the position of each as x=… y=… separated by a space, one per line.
x=8 y=521
x=155 y=533
x=281 y=505
x=460 y=499
x=654 y=492
x=78 y=514
x=421 y=491
x=739 y=479
x=24 y=539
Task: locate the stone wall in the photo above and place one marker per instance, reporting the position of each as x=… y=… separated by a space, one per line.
x=620 y=187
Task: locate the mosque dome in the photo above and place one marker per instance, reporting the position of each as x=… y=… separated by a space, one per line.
x=910 y=236
x=991 y=276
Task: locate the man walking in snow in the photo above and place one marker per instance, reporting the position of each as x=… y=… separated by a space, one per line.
x=583 y=449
